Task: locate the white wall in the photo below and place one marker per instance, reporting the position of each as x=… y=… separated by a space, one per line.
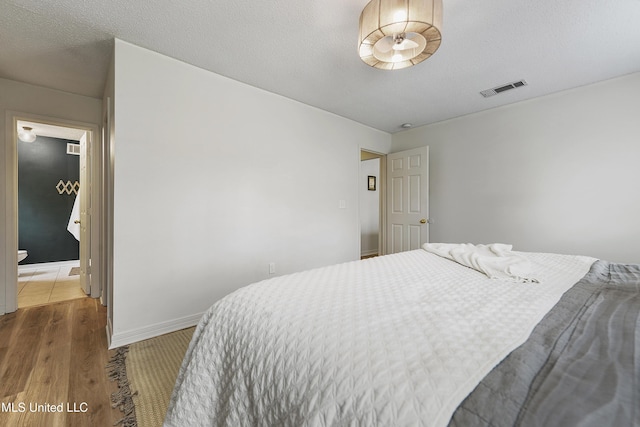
x=556 y=174
x=215 y=179
x=369 y=207
x=106 y=225
x=33 y=100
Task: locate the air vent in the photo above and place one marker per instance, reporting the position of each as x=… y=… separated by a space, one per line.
x=73 y=149
x=496 y=90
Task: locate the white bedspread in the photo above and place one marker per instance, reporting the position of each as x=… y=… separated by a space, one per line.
x=397 y=340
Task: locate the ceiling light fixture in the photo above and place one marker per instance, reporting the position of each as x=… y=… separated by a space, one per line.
x=26 y=134
x=396 y=34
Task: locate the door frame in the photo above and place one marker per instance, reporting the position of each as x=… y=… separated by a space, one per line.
x=11 y=211
x=85 y=212
x=382 y=187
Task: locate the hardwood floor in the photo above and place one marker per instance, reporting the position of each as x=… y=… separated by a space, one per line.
x=52 y=359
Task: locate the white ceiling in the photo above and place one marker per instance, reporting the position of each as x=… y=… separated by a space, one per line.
x=61 y=132
x=306 y=50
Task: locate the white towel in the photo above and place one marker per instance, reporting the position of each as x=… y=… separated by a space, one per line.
x=496 y=260
x=72 y=227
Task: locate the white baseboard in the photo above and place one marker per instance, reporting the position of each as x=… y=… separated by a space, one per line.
x=27 y=267
x=151 y=331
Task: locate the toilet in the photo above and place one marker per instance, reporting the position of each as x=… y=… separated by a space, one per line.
x=22 y=255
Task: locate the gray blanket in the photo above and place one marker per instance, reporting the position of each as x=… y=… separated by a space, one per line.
x=579 y=367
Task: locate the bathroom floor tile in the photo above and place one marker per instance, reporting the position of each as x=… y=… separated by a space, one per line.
x=21 y=286
x=46 y=284
x=38 y=287
x=31 y=301
x=67 y=284
x=64 y=296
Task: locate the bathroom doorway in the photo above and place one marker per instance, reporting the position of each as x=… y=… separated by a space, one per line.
x=49 y=276
x=50 y=166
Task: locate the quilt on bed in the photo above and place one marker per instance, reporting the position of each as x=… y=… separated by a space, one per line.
x=394 y=340
x=580 y=366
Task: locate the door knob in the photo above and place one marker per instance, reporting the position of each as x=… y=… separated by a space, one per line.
x=423 y=221
x=77 y=221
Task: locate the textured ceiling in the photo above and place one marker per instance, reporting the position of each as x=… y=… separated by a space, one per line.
x=306 y=50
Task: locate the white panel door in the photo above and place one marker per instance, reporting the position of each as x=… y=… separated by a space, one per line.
x=85 y=192
x=407 y=200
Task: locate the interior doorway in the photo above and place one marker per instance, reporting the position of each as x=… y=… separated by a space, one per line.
x=87 y=138
x=49 y=177
x=372 y=190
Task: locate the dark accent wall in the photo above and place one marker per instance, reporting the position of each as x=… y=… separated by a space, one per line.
x=43 y=213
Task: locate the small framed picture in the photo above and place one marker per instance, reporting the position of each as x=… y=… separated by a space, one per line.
x=371 y=183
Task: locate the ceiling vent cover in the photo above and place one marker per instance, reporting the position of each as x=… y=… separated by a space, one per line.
x=496 y=90
x=73 y=149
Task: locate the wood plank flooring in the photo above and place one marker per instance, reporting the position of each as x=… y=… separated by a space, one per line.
x=52 y=358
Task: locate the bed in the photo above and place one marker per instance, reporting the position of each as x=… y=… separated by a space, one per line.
x=421 y=339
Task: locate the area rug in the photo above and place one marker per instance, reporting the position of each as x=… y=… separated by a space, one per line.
x=150 y=372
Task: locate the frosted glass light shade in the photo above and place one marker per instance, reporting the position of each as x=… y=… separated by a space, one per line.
x=26 y=134
x=396 y=34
